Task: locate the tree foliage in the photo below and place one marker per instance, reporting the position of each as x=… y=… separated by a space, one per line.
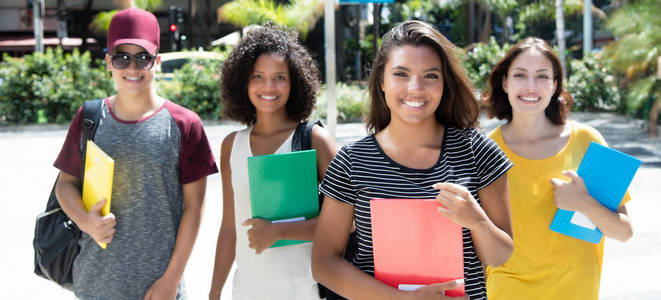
x=634 y=55
x=196 y=86
x=300 y=15
x=592 y=85
x=538 y=18
x=480 y=60
x=638 y=28
x=101 y=21
x=53 y=82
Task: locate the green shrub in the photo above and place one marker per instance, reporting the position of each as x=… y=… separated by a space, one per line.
x=593 y=85
x=352 y=103
x=195 y=86
x=480 y=60
x=640 y=96
x=53 y=82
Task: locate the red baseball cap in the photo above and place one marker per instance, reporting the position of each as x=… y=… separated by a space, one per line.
x=134 y=26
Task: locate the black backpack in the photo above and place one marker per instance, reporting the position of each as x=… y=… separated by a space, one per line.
x=302 y=140
x=55 y=235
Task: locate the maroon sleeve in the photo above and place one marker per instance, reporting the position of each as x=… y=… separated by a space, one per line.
x=68 y=160
x=196 y=159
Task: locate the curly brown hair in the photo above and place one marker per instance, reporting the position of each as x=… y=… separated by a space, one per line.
x=236 y=70
x=496 y=100
x=458 y=106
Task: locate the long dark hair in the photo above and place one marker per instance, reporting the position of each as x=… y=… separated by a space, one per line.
x=458 y=106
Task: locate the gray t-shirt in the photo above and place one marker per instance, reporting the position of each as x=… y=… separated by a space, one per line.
x=153 y=157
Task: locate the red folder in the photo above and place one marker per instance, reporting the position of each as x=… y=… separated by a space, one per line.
x=415 y=245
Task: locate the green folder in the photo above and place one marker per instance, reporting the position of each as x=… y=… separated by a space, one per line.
x=283 y=187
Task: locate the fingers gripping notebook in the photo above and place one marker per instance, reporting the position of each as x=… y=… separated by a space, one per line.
x=97 y=183
x=284 y=188
x=607 y=174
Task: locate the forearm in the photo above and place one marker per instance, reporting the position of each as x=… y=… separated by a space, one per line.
x=186 y=234
x=70 y=200
x=302 y=230
x=489 y=222
x=225 y=254
x=329 y=267
x=348 y=281
x=574 y=196
x=493 y=245
x=613 y=224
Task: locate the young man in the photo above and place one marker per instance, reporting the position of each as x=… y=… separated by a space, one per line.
x=162 y=157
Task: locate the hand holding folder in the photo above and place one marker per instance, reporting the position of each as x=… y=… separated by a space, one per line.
x=284 y=188
x=97 y=183
x=414 y=245
x=607 y=174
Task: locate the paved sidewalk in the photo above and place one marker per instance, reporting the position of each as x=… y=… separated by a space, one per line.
x=27 y=154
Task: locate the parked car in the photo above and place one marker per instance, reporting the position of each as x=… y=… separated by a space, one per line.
x=171 y=61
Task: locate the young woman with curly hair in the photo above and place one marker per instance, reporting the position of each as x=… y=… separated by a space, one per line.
x=525 y=88
x=424 y=145
x=269 y=83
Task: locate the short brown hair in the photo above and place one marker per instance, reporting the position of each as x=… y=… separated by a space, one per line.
x=495 y=99
x=458 y=106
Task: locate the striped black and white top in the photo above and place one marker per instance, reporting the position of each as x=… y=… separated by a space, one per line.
x=362 y=171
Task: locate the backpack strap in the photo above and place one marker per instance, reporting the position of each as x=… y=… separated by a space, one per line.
x=91 y=116
x=306 y=142
x=302 y=139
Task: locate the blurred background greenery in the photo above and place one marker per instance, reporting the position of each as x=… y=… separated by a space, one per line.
x=618 y=75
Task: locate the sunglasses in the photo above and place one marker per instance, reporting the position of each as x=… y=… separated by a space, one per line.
x=121 y=60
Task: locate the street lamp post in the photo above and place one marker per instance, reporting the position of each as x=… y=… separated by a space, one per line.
x=587 y=26
x=38 y=24
x=61 y=21
x=331 y=107
x=560 y=33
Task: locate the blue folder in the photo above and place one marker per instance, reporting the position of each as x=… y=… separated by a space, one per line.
x=607 y=174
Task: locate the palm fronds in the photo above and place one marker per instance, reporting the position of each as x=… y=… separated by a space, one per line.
x=101 y=21
x=300 y=15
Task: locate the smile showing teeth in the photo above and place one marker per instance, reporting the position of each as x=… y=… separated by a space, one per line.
x=414 y=103
x=269 y=97
x=132 y=78
x=529 y=99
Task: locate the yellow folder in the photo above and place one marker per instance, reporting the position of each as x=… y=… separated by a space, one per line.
x=97 y=184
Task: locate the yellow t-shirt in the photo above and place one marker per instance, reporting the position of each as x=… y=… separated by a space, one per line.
x=545 y=264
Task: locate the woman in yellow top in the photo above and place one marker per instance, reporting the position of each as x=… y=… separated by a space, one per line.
x=525 y=88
